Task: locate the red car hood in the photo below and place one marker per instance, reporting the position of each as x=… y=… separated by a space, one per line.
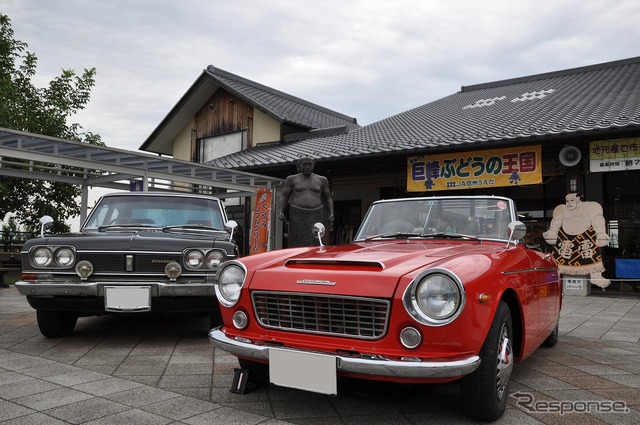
x=367 y=269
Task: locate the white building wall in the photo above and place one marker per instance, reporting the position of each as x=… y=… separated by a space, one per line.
x=265 y=128
x=182 y=143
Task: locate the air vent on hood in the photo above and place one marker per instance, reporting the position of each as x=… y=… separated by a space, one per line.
x=334 y=262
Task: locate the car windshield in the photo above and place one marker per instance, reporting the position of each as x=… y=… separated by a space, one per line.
x=155 y=211
x=481 y=217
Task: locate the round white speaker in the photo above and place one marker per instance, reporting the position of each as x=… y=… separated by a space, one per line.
x=570 y=156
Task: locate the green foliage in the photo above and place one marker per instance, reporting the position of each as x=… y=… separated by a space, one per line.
x=46 y=111
x=10 y=226
x=13 y=234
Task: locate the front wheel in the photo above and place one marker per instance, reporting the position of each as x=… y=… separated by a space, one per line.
x=56 y=324
x=484 y=392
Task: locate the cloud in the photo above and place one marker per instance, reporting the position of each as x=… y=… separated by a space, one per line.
x=367 y=59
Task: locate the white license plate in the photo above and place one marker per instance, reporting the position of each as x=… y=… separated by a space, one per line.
x=304 y=371
x=127 y=298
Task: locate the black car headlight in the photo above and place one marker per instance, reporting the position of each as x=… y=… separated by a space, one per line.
x=194 y=259
x=63 y=257
x=202 y=259
x=42 y=257
x=435 y=297
x=229 y=283
x=214 y=258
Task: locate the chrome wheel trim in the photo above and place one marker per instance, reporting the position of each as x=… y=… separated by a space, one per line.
x=505 y=362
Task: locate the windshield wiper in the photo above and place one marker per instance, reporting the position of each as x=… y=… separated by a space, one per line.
x=392 y=235
x=446 y=235
x=189 y=227
x=125 y=226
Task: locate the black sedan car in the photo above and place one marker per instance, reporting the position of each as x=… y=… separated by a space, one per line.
x=136 y=252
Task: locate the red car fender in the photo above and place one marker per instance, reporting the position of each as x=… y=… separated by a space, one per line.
x=488 y=279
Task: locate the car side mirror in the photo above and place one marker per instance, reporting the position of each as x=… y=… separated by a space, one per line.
x=231 y=227
x=516 y=230
x=318 y=231
x=46 y=223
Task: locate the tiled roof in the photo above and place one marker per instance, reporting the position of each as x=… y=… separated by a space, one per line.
x=282 y=106
x=562 y=104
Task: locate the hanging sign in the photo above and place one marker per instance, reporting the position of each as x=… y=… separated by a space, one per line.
x=260 y=222
x=475 y=170
x=614 y=155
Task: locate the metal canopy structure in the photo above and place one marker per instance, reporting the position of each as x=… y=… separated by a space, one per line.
x=34 y=156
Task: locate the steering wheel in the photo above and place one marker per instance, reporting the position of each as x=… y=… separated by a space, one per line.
x=398 y=226
x=122 y=220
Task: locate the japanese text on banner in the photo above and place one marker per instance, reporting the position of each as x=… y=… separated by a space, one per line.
x=614 y=155
x=475 y=170
x=260 y=222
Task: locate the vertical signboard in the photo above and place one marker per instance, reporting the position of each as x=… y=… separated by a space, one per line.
x=475 y=170
x=260 y=222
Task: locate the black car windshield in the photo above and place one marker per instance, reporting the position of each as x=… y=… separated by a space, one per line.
x=478 y=217
x=156 y=211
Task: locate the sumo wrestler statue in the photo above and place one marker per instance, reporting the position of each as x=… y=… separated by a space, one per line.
x=576 y=232
x=306 y=195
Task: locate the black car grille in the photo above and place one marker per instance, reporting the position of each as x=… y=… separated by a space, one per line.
x=356 y=317
x=115 y=262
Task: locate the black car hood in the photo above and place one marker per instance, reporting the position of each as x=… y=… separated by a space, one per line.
x=145 y=240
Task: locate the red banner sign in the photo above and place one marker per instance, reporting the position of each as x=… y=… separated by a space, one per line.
x=260 y=224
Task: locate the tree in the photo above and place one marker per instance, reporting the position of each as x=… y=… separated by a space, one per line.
x=12 y=235
x=44 y=111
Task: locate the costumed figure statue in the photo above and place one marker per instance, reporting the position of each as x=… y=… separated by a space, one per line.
x=576 y=232
x=306 y=196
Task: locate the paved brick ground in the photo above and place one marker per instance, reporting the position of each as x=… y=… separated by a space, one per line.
x=164 y=370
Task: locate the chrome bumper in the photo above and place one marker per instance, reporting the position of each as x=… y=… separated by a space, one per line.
x=96 y=289
x=432 y=369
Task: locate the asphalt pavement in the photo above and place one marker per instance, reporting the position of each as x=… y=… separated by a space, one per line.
x=163 y=370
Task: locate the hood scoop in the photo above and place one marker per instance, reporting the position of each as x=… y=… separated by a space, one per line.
x=324 y=263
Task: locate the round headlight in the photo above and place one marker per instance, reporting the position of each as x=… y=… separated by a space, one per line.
x=42 y=257
x=173 y=270
x=230 y=281
x=84 y=269
x=214 y=258
x=194 y=259
x=435 y=298
x=65 y=257
x=438 y=296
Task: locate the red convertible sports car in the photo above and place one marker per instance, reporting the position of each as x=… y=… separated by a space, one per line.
x=431 y=290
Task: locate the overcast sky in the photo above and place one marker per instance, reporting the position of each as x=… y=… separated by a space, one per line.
x=365 y=59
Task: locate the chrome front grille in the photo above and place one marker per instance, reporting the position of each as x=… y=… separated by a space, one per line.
x=355 y=317
x=114 y=262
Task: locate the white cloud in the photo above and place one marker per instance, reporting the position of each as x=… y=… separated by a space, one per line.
x=367 y=59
